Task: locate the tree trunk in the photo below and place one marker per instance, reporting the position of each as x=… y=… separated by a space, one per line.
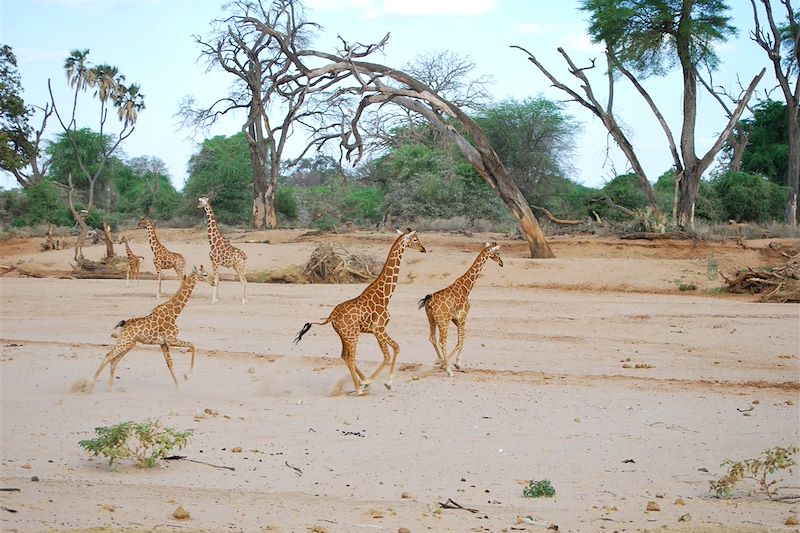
x=109 y=243
x=687 y=190
x=793 y=177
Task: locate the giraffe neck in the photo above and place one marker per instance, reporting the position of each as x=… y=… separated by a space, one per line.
x=213 y=228
x=128 y=250
x=155 y=244
x=386 y=281
x=178 y=301
x=468 y=279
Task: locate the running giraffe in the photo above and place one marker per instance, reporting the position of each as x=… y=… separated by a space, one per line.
x=369 y=313
x=452 y=304
x=156 y=328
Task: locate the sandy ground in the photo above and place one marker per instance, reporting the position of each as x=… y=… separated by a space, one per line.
x=549 y=391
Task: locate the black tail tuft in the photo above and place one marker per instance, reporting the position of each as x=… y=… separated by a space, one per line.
x=423 y=301
x=120 y=324
x=302 y=332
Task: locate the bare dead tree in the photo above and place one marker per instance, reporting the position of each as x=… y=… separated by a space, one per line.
x=353 y=86
x=689 y=167
x=604 y=112
x=265 y=80
x=771 y=40
x=149 y=167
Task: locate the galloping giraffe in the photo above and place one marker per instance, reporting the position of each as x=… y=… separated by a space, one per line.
x=163 y=259
x=156 y=328
x=369 y=313
x=452 y=304
x=222 y=253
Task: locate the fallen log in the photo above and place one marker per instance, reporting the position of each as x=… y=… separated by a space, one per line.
x=549 y=216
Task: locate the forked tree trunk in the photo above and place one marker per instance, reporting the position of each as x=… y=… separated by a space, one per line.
x=792 y=179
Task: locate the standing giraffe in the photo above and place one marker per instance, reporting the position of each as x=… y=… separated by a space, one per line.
x=369 y=313
x=223 y=253
x=162 y=258
x=156 y=328
x=133 y=264
x=452 y=304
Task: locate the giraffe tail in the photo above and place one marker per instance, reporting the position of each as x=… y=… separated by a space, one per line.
x=302 y=332
x=120 y=324
x=306 y=327
x=424 y=301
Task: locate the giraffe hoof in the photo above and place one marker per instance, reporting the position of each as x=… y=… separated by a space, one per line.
x=457 y=366
x=449 y=373
x=388 y=385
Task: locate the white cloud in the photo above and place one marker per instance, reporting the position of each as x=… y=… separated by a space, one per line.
x=337 y=5
x=438 y=7
x=39 y=55
x=96 y=4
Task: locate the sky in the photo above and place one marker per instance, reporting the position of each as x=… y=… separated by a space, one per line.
x=151 y=41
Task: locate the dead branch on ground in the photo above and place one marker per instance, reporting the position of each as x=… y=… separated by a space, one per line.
x=781 y=284
x=332 y=263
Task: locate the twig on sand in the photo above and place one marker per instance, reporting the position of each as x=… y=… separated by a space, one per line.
x=296 y=470
x=181 y=457
x=450 y=504
x=9 y=489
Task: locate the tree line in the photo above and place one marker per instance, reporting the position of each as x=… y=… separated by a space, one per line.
x=345 y=99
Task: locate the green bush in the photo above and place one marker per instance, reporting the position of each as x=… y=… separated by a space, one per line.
x=538 y=489
x=364 y=205
x=286 y=203
x=42 y=203
x=143 y=443
x=749 y=198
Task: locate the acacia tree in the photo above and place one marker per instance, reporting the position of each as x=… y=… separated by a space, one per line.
x=111 y=91
x=256 y=60
x=782 y=46
x=645 y=37
x=20 y=144
x=354 y=85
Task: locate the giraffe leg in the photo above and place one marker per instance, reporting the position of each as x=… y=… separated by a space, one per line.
x=395 y=351
x=215 y=281
x=185 y=344
x=243 y=281
x=158 y=275
x=432 y=338
x=459 y=345
x=116 y=353
x=128 y=276
x=381 y=337
x=168 y=358
x=443 y=348
x=349 y=357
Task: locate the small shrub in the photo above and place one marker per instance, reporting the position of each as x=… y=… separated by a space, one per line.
x=538 y=489
x=758 y=470
x=143 y=443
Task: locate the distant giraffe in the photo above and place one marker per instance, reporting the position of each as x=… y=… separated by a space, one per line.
x=452 y=304
x=134 y=263
x=163 y=259
x=368 y=313
x=223 y=253
x=156 y=328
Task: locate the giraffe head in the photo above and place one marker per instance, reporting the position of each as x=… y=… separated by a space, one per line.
x=143 y=222
x=123 y=239
x=410 y=240
x=493 y=252
x=203 y=202
x=200 y=275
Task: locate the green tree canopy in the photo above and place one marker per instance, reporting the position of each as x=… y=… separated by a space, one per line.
x=222 y=171
x=16 y=148
x=64 y=160
x=767 y=150
x=535 y=139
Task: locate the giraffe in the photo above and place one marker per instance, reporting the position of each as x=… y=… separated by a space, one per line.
x=133 y=263
x=368 y=313
x=223 y=253
x=452 y=304
x=162 y=258
x=156 y=328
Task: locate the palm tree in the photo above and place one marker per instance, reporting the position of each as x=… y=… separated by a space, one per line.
x=128 y=101
x=79 y=75
x=106 y=78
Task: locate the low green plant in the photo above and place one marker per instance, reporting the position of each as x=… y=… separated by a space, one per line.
x=712 y=269
x=143 y=443
x=759 y=470
x=539 y=489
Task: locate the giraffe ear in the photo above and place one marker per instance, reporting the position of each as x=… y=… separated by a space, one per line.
x=495 y=248
x=487 y=244
x=411 y=234
x=399 y=231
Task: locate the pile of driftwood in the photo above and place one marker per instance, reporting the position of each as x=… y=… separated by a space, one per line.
x=332 y=263
x=781 y=284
